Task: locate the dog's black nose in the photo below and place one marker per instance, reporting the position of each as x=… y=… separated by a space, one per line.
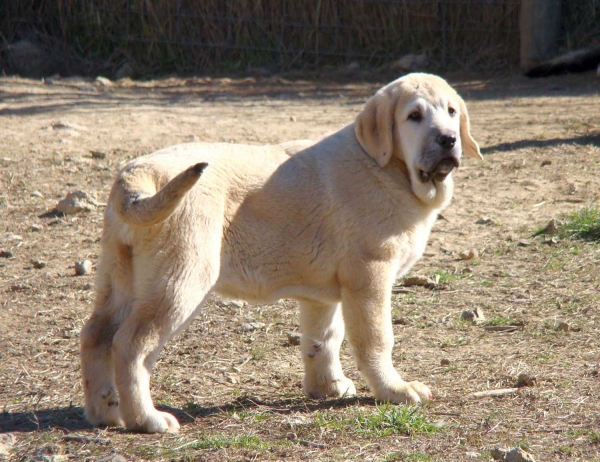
x=446 y=141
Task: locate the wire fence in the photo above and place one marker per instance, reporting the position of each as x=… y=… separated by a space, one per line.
x=197 y=35
x=289 y=33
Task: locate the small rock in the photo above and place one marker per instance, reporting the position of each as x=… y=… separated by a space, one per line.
x=36 y=228
x=445 y=362
x=551 y=241
x=475 y=316
x=98 y=154
x=7 y=441
x=546 y=162
x=6 y=254
x=36 y=193
x=89 y=286
x=292 y=118
x=525 y=380
x=76 y=202
x=113 y=458
x=83 y=267
x=550 y=228
x=467 y=270
x=252 y=326
x=351 y=67
x=38 y=264
x=468 y=255
x=14 y=237
x=524 y=243
x=562 y=326
x=518 y=455
x=236 y=304
x=498 y=453
x=417 y=281
x=484 y=221
x=103 y=81
x=125 y=71
x=293 y=338
x=410 y=62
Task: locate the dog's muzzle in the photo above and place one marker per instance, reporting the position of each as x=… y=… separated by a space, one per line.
x=441 y=170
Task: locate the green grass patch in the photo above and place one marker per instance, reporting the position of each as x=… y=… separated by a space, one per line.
x=501 y=321
x=387 y=420
x=583 y=224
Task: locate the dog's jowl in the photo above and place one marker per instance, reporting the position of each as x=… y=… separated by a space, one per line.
x=330 y=223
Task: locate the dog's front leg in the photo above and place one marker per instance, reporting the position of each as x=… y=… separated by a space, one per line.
x=322 y=335
x=367 y=316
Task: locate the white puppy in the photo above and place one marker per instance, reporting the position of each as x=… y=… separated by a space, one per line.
x=331 y=226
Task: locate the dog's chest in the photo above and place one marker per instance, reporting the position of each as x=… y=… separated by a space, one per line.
x=414 y=246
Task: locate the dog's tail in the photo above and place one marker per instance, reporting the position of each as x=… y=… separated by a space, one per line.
x=138 y=201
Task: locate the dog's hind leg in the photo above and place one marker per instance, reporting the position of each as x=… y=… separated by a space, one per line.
x=322 y=335
x=101 y=400
x=167 y=308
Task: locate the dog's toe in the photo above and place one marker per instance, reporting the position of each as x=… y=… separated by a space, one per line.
x=160 y=422
x=422 y=390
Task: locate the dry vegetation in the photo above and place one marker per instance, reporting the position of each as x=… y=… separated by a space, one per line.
x=237 y=393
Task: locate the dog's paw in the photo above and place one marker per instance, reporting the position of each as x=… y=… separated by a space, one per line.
x=157 y=422
x=422 y=390
x=341 y=388
x=103 y=410
x=404 y=393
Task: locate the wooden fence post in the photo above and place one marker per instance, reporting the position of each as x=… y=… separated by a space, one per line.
x=539 y=26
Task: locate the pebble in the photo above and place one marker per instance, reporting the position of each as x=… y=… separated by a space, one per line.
x=562 y=326
x=292 y=118
x=231 y=303
x=6 y=254
x=474 y=316
x=103 y=81
x=293 y=338
x=38 y=264
x=417 y=281
x=83 y=267
x=252 y=326
x=525 y=380
x=7 y=441
x=445 y=362
x=36 y=193
x=36 y=228
x=76 y=202
x=484 y=221
x=550 y=228
x=511 y=455
x=98 y=154
x=468 y=255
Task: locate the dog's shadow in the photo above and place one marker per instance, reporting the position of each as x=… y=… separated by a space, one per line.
x=72 y=418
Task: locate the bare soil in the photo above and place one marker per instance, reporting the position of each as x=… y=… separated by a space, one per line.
x=237 y=394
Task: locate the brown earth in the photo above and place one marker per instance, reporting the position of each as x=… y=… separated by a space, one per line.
x=237 y=394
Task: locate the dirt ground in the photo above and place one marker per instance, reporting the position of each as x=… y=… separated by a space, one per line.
x=237 y=393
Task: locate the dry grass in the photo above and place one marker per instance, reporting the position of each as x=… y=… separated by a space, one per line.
x=237 y=394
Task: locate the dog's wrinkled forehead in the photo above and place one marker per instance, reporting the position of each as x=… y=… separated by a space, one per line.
x=421 y=94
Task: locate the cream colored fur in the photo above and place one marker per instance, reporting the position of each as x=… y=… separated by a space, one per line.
x=331 y=224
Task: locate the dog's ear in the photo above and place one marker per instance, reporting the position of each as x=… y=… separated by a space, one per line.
x=374 y=127
x=469 y=145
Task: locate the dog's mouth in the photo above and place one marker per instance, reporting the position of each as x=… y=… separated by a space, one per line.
x=440 y=171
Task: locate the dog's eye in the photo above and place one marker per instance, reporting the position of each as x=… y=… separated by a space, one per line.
x=451 y=111
x=415 y=116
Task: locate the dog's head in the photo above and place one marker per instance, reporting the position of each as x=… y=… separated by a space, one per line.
x=422 y=121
